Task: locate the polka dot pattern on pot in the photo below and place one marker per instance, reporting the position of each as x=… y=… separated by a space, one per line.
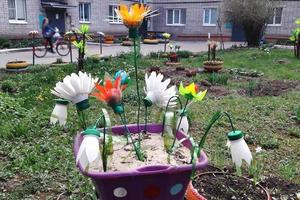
x=152 y=192
x=175 y=189
x=120 y=192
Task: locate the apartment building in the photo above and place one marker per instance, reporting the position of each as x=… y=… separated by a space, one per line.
x=184 y=19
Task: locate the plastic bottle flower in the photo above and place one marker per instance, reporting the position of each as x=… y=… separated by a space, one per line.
x=133 y=17
x=239 y=148
x=89 y=152
x=76 y=89
x=125 y=79
x=184 y=125
x=110 y=93
x=190 y=92
x=157 y=91
x=60 y=112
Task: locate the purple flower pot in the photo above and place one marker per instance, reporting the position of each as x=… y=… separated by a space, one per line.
x=159 y=182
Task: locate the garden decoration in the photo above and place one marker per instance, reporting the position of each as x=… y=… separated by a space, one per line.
x=239 y=151
x=212 y=64
x=33 y=35
x=80 y=43
x=174 y=58
x=105 y=153
x=132 y=18
x=16 y=66
x=295 y=38
x=101 y=36
x=166 y=37
x=60 y=112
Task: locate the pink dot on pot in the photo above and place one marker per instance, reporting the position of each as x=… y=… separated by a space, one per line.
x=152 y=191
x=176 y=189
x=120 y=192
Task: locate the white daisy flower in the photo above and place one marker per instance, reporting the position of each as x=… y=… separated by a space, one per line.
x=157 y=91
x=76 y=88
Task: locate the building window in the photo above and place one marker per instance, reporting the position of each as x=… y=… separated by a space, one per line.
x=84 y=12
x=112 y=16
x=17 y=10
x=210 y=16
x=176 y=17
x=275 y=19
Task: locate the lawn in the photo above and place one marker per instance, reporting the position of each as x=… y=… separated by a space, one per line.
x=36 y=159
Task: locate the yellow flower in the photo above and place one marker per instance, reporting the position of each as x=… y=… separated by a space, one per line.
x=191 y=92
x=134 y=17
x=166 y=35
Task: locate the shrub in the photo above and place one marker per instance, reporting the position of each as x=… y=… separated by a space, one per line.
x=4 y=43
x=8 y=86
x=184 y=54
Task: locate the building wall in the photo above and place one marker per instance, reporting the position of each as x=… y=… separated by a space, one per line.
x=99 y=16
x=291 y=11
x=194 y=28
x=15 y=30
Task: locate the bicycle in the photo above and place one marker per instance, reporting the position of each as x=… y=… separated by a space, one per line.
x=62 y=47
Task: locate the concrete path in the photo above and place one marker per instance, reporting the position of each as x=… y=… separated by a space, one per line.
x=197 y=46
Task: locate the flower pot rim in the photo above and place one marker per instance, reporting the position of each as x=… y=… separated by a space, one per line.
x=146 y=169
x=196 y=193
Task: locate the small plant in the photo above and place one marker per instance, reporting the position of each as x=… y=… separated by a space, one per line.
x=298 y=114
x=252 y=85
x=216 y=78
x=295 y=38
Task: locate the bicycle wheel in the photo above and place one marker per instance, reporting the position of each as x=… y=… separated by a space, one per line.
x=62 y=48
x=40 y=48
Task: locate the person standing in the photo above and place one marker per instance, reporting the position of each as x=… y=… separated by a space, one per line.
x=48 y=33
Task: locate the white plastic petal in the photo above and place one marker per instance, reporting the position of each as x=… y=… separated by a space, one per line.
x=184 y=125
x=89 y=154
x=240 y=151
x=59 y=114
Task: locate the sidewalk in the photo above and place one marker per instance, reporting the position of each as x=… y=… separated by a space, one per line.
x=92 y=49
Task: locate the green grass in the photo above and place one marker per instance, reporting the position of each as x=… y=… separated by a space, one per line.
x=37 y=158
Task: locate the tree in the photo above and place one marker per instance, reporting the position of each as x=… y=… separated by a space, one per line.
x=252 y=15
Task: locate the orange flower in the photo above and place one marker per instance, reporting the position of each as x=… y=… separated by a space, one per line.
x=133 y=17
x=110 y=93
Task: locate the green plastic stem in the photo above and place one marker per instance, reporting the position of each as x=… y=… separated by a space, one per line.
x=229 y=118
x=167 y=108
x=137 y=83
x=128 y=135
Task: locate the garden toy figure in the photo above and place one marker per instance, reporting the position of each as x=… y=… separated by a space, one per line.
x=60 y=112
x=48 y=33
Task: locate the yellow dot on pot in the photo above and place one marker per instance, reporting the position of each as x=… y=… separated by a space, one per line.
x=176 y=189
x=120 y=192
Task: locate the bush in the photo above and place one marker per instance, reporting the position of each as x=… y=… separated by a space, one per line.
x=184 y=54
x=8 y=86
x=4 y=43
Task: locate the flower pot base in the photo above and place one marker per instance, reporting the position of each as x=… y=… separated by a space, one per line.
x=173 y=63
x=212 y=68
x=224 y=186
x=158 y=182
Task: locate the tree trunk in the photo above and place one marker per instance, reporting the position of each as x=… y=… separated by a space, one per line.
x=253 y=33
x=298 y=47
